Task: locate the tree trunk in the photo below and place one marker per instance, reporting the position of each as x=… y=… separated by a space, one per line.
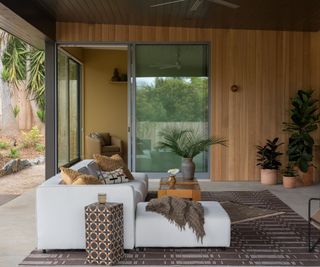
x=9 y=125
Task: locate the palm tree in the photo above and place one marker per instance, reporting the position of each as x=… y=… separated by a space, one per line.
x=23 y=64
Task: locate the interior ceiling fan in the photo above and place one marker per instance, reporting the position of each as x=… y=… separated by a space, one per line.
x=198 y=3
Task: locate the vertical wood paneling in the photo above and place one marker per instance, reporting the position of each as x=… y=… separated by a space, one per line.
x=269 y=67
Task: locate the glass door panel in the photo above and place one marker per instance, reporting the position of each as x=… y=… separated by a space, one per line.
x=171 y=91
x=74 y=110
x=68 y=82
x=63 y=106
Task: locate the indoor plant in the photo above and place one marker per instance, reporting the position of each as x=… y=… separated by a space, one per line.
x=268 y=160
x=289 y=176
x=187 y=143
x=304 y=118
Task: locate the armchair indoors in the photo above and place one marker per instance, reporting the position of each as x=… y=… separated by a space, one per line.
x=104 y=144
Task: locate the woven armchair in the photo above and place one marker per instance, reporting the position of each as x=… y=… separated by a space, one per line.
x=104 y=144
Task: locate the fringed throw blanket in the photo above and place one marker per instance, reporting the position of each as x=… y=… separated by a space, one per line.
x=181 y=212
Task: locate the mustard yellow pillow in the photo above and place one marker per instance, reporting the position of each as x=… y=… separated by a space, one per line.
x=68 y=175
x=86 y=179
x=112 y=163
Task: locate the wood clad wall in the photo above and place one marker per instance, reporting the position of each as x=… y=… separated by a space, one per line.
x=269 y=67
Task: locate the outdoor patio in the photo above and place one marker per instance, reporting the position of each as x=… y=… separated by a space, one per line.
x=18 y=226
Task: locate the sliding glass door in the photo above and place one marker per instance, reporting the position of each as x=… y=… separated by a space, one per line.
x=171 y=90
x=68 y=96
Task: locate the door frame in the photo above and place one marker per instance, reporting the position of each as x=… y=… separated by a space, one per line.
x=131 y=88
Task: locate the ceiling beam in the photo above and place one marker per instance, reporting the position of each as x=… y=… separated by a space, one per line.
x=27 y=20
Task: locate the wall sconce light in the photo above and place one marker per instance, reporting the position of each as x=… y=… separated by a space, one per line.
x=235 y=88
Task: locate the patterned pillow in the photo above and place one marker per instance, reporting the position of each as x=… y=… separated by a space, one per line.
x=115 y=177
x=113 y=163
x=68 y=175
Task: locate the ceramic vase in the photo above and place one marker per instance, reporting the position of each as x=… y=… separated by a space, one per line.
x=188 y=168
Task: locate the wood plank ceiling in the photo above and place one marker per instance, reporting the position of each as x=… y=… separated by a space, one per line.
x=297 y=15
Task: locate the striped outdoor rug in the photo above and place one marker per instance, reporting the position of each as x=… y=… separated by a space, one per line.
x=279 y=240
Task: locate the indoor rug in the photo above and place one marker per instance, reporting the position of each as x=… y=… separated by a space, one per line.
x=279 y=240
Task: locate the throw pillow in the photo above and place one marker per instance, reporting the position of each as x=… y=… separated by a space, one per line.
x=112 y=163
x=94 y=169
x=115 y=177
x=68 y=175
x=86 y=180
x=84 y=170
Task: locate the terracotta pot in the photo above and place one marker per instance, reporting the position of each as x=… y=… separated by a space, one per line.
x=188 y=168
x=307 y=177
x=289 y=181
x=269 y=177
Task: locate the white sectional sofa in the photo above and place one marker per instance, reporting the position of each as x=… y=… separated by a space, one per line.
x=61 y=221
x=60 y=209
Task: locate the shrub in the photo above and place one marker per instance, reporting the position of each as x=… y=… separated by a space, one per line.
x=41 y=115
x=31 y=138
x=16 y=111
x=3 y=145
x=40 y=147
x=14 y=153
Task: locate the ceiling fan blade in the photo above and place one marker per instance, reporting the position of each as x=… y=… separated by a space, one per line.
x=196 y=5
x=167 y=3
x=225 y=3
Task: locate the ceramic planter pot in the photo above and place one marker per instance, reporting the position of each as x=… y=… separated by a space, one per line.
x=188 y=168
x=289 y=181
x=307 y=177
x=269 y=177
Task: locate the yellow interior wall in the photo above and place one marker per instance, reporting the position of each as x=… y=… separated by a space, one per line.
x=76 y=52
x=105 y=103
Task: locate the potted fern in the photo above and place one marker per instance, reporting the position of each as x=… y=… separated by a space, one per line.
x=268 y=160
x=187 y=143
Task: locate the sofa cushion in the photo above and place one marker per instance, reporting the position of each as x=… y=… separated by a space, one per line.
x=111 y=148
x=86 y=179
x=68 y=175
x=217 y=228
x=112 y=163
x=114 y=177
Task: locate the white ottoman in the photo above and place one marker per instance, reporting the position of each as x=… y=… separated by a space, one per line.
x=154 y=230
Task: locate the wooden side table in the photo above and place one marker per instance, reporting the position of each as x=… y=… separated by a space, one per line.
x=182 y=188
x=104 y=233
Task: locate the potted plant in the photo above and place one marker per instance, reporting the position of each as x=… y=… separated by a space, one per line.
x=187 y=143
x=268 y=160
x=304 y=118
x=289 y=176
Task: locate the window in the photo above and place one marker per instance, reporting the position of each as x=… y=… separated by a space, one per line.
x=68 y=83
x=171 y=90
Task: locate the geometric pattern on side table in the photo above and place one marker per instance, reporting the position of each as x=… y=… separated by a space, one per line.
x=104 y=233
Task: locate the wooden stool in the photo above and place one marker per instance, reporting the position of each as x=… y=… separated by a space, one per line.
x=104 y=233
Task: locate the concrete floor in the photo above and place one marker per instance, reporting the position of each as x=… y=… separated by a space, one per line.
x=18 y=226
